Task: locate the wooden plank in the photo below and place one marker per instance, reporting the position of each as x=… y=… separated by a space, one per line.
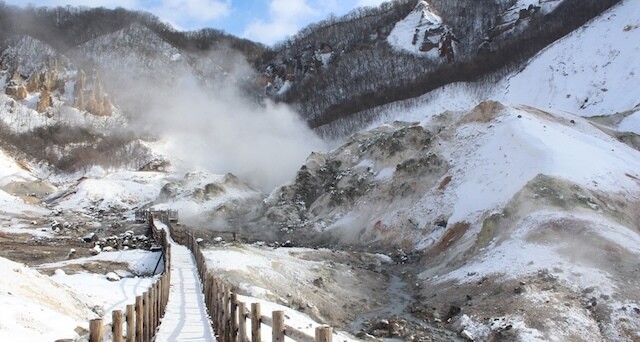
x=266 y=320
x=297 y=335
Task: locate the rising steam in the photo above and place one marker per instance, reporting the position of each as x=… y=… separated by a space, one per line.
x=223 y=131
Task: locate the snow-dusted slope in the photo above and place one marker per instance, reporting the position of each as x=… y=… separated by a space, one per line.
x=29 y=55
x=134 y=49
x=35 y=308
x=592 y=71
x=11 y=172
x=420 y=32
x=499 y=193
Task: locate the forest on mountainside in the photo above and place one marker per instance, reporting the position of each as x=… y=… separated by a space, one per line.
x=365 y=71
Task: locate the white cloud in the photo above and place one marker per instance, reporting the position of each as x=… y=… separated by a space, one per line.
x=181 y=13
x=286 y=17
x=87 y=3
x=369 y=3
x=190 y=12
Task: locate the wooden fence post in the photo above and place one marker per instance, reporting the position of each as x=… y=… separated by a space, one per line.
x=324 y=334
x=139 y=319
x=152 y=311
x=227 y=314
x=146 y=316
x=234 y=317
x=277 y=329
x=96 y=330
x=131 y=323
x=116 y=325
x=242 y=322
x=159 y=300
x=156 y=309
x=255 y=323
x=216 y=305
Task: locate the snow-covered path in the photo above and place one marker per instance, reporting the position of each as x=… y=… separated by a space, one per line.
x=186 y=317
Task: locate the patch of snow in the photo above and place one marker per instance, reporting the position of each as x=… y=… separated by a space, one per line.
x=285 y=87
x=631 y=123
x=293 y=318
x=491 y=163
x=578 y=75
x=120 y=189
x=421 y=20
x=41 y=309
x=139 y=261
x=385 y=174
x=517 y=256
x=99 y=291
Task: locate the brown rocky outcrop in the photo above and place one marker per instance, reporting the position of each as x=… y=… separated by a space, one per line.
x=78 y=90
x=18 y=92
x=45 y=101
x=95 y=101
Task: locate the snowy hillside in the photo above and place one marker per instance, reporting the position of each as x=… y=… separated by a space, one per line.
x=499 y=192
x=36 y=308
x=592 y=71
x=134 y=49
x=420 y=32
x=574 y=75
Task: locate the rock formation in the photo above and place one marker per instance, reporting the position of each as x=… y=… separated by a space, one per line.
x=78 y=90
x=45 y=100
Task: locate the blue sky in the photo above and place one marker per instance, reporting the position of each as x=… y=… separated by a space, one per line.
x=266 y=21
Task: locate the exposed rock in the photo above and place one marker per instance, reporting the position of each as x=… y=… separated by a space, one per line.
x=111 y=276
x=45 y=101
x=17 y=92
x=78 y=90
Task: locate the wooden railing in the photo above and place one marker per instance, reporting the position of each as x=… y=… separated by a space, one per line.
x=229 y=315
x=143 y=317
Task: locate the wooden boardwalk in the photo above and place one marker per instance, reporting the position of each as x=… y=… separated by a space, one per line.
x=186 y=317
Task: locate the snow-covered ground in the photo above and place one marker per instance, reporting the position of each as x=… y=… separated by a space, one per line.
x=36 y=308
x=493 y=162
x=409 y=33
x=591 y=71
x=273 y=277
x=50 y=308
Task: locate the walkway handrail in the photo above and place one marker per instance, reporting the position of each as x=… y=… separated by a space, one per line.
x=228 y=315
x=143 y=317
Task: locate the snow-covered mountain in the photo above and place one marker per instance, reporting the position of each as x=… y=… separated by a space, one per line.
x=491 y=150
x=499 y=194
